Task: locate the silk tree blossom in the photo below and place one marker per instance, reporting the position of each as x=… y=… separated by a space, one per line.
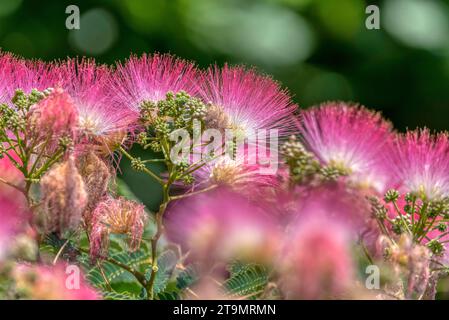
x=26 y=75
x=316 y=261
x=56 y=282
x=247 y=166
x=8 y=84
x=420 y=161
x=349 y=138
x=116 y=216
x=150 y=78
x=245 y=102
x=100 y=121
x=222 y=226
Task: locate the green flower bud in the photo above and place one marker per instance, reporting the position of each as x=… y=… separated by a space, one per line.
x=391 y=195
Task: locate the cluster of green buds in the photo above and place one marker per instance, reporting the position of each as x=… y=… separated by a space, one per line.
x=13 y=117
x=184 y=173
x=303 y=166
x=162 y=121
x=36 y=149
x=176 y=111
x=301 y=163
x=415 y=216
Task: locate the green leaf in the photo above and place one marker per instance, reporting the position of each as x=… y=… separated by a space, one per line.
x=246 y=280
x=113 y=295
x=166 y=266
x=168 y=296
x=107 y=272
x=187 y=277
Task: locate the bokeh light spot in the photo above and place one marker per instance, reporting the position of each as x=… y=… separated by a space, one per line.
x=98 y=32
x=341 y=18
x=258 y=33
x=7 y=7
x=417 y=23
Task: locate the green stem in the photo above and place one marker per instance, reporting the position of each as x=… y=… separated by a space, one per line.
x=402 y=217
x=421 y=222
x=39 y=156
x=47 y=165
x=159 y=217
x=153 y=160
x=138 y=275
x=155 y=240
x=146 y=170
x=426 y=230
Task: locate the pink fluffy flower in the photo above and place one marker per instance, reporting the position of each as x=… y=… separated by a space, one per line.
x=7 y=64
x=22 y=74
x=255 y=167
x=12 y=217
x=350 y=138
x=116 y=216
x=420 y=161
x=244 y=101
x=316 y=261
x=59 y=282
x=149 y=78
x=99 y=119
x=222 y=226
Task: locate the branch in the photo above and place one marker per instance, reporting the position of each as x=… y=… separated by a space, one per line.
x=146 y=170
x=12 y=185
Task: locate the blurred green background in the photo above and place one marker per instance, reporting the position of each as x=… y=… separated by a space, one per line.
x=319 y=49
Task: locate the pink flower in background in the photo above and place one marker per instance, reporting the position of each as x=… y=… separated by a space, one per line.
x=150 y=77
x=336 y=201
x=12 y=221
x=420 y=161
x=116 y=216
x=58 y=282
x=10 y=173
x=243 y=100
x=316 y=261
x=222 y=226
x=350 y=138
